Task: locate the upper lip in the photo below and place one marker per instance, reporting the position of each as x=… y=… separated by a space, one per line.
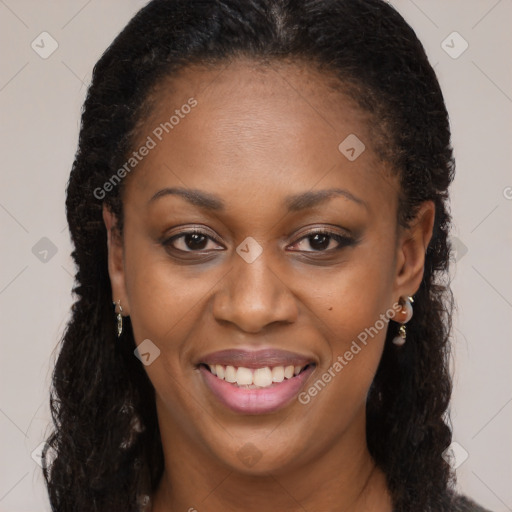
x=256 y=358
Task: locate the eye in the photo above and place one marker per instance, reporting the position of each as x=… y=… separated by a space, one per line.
x=196 y=240
x=322 y=241
x=193 y=240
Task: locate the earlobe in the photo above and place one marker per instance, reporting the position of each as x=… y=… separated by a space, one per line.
x=115 y=260
x=412 y=247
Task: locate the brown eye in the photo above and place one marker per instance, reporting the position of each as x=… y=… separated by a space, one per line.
x=321 y=241
x=189 y=241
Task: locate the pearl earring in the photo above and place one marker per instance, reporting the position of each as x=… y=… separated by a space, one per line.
x=119 y=318
x=400 y=339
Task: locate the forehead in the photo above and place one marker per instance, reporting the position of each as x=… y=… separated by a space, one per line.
x=257 y=127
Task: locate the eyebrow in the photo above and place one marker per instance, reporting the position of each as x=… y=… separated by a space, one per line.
x=293 y=203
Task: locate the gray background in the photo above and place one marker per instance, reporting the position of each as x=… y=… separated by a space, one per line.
x=40 y=102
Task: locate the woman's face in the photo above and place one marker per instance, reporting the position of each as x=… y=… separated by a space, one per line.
x=253 y=141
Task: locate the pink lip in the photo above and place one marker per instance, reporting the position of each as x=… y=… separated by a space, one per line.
x=256 y=358
x=255 y=401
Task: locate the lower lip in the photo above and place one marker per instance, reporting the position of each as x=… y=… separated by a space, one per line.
x=255 y=401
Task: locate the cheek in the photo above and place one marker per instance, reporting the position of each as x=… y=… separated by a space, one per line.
x=164 y=297
x=354 y=335
x=164 y=303
x=166 y=308
x=352 y=298
x=353 y=309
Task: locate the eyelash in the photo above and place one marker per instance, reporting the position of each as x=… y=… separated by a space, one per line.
x=342 y=240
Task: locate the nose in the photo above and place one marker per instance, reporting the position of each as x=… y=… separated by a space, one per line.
x=253 y=296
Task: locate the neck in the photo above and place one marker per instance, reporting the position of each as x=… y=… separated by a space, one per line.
x=344 y=478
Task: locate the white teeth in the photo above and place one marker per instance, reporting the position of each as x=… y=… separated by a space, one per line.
x=243 y=376
x=259 y=377
x=230 y=375
x=288 y=371
x=262 y=377
x=278 y=374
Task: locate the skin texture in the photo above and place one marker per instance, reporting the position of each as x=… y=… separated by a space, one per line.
x=256 y=136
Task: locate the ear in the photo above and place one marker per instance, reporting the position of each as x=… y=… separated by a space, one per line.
x=412 y=245
x=115 y=260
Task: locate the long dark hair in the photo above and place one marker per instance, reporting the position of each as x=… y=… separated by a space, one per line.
x=100 y=391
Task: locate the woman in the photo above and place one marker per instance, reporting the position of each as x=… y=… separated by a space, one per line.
x=258 y=209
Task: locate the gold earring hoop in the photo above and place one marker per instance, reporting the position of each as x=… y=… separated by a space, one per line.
x=119 y=318
x=401 y=337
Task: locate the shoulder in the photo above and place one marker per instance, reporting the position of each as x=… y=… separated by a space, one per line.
x=452 y=502
x=463 y=504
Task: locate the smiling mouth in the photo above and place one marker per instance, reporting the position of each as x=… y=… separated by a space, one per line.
x=255 y=378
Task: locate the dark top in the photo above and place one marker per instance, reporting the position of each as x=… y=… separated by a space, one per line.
x=463 y=504
x=456 y=503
